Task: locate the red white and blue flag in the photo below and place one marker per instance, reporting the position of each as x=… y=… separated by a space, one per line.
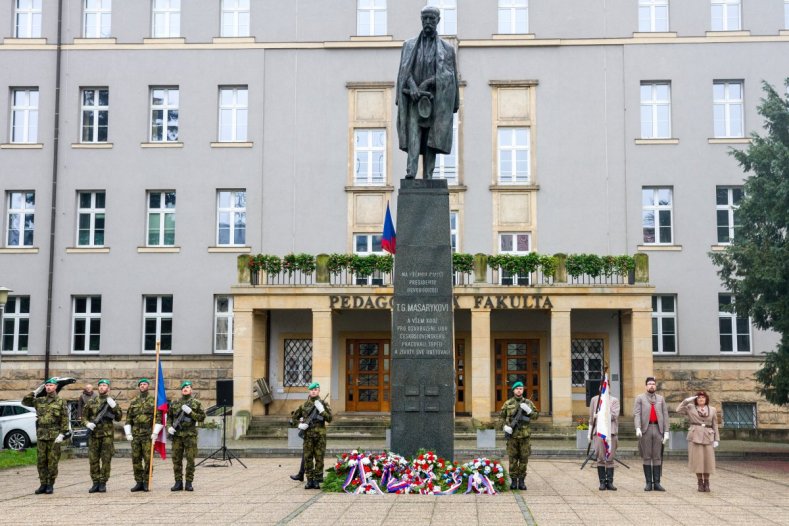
x=162 y=406
x=389 y=241
x=604 y=416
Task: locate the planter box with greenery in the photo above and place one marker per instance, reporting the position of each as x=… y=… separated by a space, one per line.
x=486 y=433
x=678 y=437
x=209 y=435
x=581 y=432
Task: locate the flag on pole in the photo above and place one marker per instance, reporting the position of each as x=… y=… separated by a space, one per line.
x=604 y=416
x=389 y=240
x=162 y=405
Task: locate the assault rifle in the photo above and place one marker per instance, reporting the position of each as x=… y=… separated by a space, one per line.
x=313 y=416
x=517 y=419
x=180 y=418
x=102 y=415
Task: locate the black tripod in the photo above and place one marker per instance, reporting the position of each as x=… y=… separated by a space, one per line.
x=226 y=456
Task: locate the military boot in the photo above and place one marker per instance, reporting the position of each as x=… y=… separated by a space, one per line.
x=94 y=488
x=50 y=489
x=316 y=484
x=513 y=482
x=102 y=487
x=178 y=486
x=648 y=477
x=609 y=479
x=188 y=486
x=138 y=487
x=308 y=485
x=298 y=476
x=41 y=489
x=656 y=472
x=522 y=483
x=601 y=477
x=145 y=486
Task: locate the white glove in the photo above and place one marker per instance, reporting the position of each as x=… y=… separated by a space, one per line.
x=526 y=408
x=716 y=443
x=303 y=426
x=319 y=406
x=59 y=439
x=638 y=432
x=186 y=409
x=507 y=429
x=589 y=435
x=154 y=436
x=171 y=430
x=690 y=399
x=157 y=428
x=111 y=402
x=91 y=426
x=665 y=437
x=127 y=430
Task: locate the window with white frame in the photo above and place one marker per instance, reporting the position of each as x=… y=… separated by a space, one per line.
x=166 y=19
x=655 y=110
x=586 y=359
x=298 y=362
x=727 y=100
x=368 y=245
x=231 y=218
x=97 y=19
x=454 y=231
x=21 y=219
x=726 y=15
x=735 y=331
x=161 y=219
x=447 y=164
x=518 y=244
x=514 y=155
x=233 y=113
x=95 y=114
x=664 y=324
x=164 y=114
x=727 y=201
x=370 y=17
x=513 y=17
x=370 y=156
x=27 y=19
x=16 y=324
x=448 y=25
x=157 y=323
x=24 y=115
x=657 y=215
x=652 y=16
x=86 y=323
x=90 y=219
x=223 y=324
x=235 y=18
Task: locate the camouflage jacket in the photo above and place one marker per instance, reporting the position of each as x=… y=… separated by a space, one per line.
x=106 y=426
x=140 y=415
x=508 y=411
x=188 y=425
x=52 y=414
x=317 y=425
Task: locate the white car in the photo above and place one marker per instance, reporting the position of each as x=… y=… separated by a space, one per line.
x=17 y=425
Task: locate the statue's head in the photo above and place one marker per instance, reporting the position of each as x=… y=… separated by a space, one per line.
x=430 y=17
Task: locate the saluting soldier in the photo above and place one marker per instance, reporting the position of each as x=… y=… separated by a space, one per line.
x=184 y=415
x=650 y=414
x=139 y=424
x=605 y=466
x=51 y=428
x=99 y=416
x=516 y=414
x=312 y=416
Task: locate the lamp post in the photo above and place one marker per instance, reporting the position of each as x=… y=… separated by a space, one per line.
x=3 y=298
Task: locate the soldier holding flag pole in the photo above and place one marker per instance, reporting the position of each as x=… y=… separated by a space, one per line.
x=160 y=405
x=604 y=420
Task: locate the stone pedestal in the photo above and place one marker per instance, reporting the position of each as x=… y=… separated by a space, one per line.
x=423 y=366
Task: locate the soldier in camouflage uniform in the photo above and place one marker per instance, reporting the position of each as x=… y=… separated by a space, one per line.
x=184 y=415
x=139 y=424
x=518 y=443
x=51 y=428
x=101 y=445
x=314 y=427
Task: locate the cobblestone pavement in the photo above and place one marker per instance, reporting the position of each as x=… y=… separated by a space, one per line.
x=743 y=492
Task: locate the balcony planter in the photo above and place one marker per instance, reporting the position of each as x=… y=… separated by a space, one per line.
x=486 y=438
x=581 y=442
x=209 y=438
x=678 y=440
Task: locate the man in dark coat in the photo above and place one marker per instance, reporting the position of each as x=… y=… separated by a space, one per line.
x=427 y=96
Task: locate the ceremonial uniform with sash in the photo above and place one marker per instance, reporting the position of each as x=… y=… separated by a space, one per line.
x=605 y=466
x=314 y=427
x=51 y=427
x=139 y=424
x=519 y=443
x=101 y=444
x=184 y=414
x=650 y=415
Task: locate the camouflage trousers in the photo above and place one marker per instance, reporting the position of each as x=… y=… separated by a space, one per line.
x=518 y=450
x=184 y=446
x=48 y=458
x=314 y=449
x=141 y=457
x=100 y=451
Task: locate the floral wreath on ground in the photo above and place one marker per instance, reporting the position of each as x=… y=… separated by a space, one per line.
x=360 y=472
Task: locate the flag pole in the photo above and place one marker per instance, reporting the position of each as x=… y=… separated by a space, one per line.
x=153 y=425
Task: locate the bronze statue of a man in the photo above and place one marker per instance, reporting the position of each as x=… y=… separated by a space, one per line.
x=427 y=96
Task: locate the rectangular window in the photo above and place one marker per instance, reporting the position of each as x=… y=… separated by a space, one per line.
x=298 y=362
x=725 y=15
x=727 y=201
x=735 y=331
x=166 y=19
x=157 y=323
x=86 y=324
x=518 y=244
x=586 y=360
x=233 y=111
x=454 y=236
x=21 y=219
x=235 y=18
x=447 y=164
x=90 y=219
x=164 y=114
x=370 y=156
x=27 y=19
x=98 y=18
x=652 y=16
x=727 y=100
x=366 y=245
x=24 y=115
x=513 y=17
x=448 y=25
x=370 y=17
x=514 y=155
x=231 y=218
x=95 y=114
x=655 y=110
x=657 y=212
x=16 y=324
x=223 y=324
x=161 y=219
x=664 y=324
x=739 y=415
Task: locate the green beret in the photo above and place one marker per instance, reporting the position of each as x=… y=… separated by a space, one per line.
x=103 y=381
x=143 y=380
x=314 y=385
x=517 y=384
x=185 y=383
x=52 y=380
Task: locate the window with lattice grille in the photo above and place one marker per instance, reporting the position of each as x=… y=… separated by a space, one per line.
x=741 y=416
x=298 y=362
x=587 y=360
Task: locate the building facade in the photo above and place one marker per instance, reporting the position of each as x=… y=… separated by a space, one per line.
x=148 y=147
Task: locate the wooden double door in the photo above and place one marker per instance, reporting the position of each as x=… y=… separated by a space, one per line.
x=516 y=360
x=367 y=377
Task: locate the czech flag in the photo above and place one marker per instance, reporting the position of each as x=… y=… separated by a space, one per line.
x=389 y=241
x=604 y=416
x=163 y=406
